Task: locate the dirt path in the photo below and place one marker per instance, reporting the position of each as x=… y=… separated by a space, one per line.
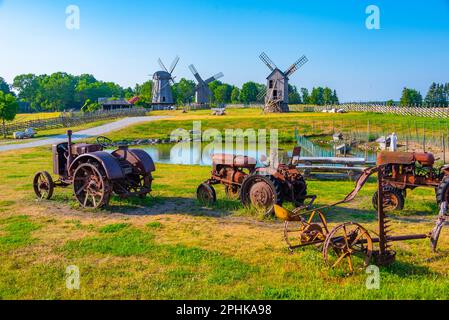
x=92 y=132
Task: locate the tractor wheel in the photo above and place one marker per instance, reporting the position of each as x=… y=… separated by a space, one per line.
x=206 y=194
x=43 y=185
x=443 y=191
x=91 y=187
x=393 y=199
x=261 y=191
x=232 y=192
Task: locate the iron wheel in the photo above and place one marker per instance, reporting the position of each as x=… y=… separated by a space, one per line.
x=350 y=243
x=91 y=187
x=206 y=194
x=43 y=185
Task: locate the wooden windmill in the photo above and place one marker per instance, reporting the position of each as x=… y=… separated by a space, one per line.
x=162 y=80
x=202 y=91
x=276 y=95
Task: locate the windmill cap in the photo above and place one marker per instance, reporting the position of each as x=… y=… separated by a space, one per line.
x=162 y=75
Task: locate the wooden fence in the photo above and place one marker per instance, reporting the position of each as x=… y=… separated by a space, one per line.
x=71 y=119
x=428 y=112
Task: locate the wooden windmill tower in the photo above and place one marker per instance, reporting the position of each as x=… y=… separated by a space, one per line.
x=202 y=91
x=276 y=95
x=162 y=80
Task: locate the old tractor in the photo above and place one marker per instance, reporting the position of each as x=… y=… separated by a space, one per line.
x=409 y=170
x=96 y=174
x=261 y=187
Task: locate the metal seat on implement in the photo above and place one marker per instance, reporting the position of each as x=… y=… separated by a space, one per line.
x=285 y=215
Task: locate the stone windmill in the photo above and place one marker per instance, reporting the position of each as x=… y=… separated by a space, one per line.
x=276 y=95
x=202 y=91
x=162 y=80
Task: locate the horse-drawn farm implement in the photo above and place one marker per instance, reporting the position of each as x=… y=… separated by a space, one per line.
x=96 y=174
x=350 y=244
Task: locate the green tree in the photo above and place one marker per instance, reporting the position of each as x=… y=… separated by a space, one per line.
x=316 y=97
x=335 y=100
x=145 y=92
x=305 y=96
x=410 y=97
x=431 y=95
x=8 y=109
x=28 y=89
x=390 y=103
x=183 y=91
x=293 y=95
x=235 y=95
x=249 y=92
x=4 y=87
x=222 y=93
x=327 y=96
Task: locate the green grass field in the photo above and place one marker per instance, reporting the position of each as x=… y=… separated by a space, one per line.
x=168 y=246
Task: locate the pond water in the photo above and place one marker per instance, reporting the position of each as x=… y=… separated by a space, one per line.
x=195 y=153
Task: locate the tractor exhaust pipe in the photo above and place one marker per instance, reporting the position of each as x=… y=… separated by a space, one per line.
x=69 y=146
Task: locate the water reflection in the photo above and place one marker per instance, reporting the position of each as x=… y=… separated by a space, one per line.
x=191 y=153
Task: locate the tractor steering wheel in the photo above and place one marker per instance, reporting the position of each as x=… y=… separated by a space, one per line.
x=104 y=141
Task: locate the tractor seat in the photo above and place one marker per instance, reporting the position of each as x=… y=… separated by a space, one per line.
x=387 y=157
x=232 y=160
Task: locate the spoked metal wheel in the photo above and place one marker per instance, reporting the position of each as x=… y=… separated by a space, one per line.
x=91 y=188
x=349 y=246
x=43 y=185
x=206 y=194
x=302 y=233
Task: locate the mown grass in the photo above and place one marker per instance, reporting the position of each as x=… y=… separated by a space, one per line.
x=307 y=124
x=168 y=246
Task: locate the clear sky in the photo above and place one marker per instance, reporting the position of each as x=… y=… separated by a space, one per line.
x=120 y=41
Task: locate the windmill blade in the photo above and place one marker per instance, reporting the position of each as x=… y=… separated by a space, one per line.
x=162 y=64
x=174 y=64
x=298 y=64
x=196 y=74
x=215 y=77
x=265 y=59
x=261 y=95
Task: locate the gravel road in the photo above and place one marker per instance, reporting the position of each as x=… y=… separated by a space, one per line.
x=88 y=133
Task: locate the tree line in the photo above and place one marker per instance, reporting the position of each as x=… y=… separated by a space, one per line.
x=437 y=95
x=62 y=91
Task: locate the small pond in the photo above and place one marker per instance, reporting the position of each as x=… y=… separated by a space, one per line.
x=195 y=153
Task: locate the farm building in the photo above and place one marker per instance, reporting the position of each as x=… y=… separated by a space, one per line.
x=114 y=104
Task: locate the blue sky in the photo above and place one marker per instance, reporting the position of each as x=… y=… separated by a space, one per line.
x=120 y=41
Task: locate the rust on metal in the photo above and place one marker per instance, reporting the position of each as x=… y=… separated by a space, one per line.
x=349 y=245
x=260 y=187
x=96 y=174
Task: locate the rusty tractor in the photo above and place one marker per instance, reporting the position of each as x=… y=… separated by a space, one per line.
x=260 y=187
x=409 y=170
x=349 y=246
x=96 y=174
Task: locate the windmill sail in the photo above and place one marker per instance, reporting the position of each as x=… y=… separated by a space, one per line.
x=215 y=77
x=161 y=64
x=294 y=67
x=196 y=74
x=265 y=59
x=174 y=64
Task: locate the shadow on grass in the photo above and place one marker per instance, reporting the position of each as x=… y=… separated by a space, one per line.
x=160 y=205
x=405 y=269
